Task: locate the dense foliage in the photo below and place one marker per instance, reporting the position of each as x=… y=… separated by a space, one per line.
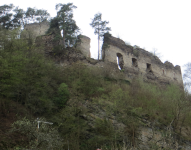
x=64 y=23
x=85 y=122
x=12 y=17
x=27 y=76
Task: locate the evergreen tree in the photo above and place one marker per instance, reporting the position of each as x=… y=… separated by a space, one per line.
x=12 y=17
x=36 y=15
x=100 y=27
x=18 y=17
x=27 y=76
x=65 y=23
x=6 y=15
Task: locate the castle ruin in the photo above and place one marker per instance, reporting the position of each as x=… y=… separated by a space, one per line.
x=132 y=61
x=35 y=29
x=144 y=63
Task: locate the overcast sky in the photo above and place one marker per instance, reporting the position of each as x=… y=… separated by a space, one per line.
x=161 y=24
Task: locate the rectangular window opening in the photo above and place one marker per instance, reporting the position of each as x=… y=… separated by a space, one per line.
x=149 y=69
x=134 y=62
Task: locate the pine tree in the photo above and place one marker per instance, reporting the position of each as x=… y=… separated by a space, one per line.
x=12 y=17
x=35 y=15
x=100 y=27
x=6 y=15
x=65 y=23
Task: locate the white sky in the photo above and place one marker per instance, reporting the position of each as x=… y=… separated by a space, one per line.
x=161 y=24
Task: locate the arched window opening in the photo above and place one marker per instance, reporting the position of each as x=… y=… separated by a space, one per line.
x=149 y=69
x=134 y=62
x=120 y=61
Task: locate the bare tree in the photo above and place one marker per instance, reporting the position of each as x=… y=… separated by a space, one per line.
x=155 y=53
x=187 y=76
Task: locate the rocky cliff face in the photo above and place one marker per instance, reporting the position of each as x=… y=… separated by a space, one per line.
x=147 y=135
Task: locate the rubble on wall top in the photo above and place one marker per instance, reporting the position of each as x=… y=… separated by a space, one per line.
x=177 y=67
x=149 y=54
x=36 y=23
x=168 y=64
x=83 y=36
x=171 y=66
x=118 y=43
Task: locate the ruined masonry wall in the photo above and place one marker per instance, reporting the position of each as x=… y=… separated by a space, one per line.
x=37 y=29
x=162 y=71
x=147 y=65
x=84 y=45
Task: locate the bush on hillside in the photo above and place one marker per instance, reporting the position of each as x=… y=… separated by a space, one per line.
x=27 y=76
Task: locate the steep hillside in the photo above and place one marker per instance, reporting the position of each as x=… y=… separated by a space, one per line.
x=90 y=106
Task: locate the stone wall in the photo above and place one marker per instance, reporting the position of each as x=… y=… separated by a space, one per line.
x=141 y=62
x=133 y=61
x=35 y=29
x=46 y=42
x=84 y=45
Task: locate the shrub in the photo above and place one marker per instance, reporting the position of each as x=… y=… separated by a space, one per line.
x=27 y=76
x=62 y=96
x=46 y=137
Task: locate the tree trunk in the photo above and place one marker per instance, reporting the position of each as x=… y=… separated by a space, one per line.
x=98 y=42
x=63 y=38
x=98 y=46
